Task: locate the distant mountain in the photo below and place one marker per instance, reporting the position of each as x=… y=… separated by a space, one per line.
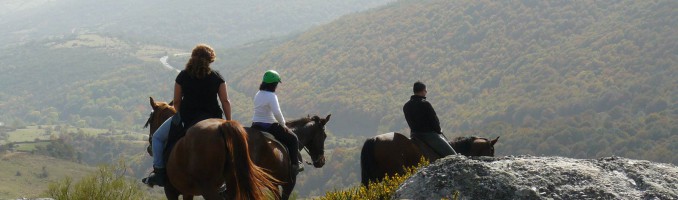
x=177 y=23
x=572 y=78
x=97 y=61
x=578 y=79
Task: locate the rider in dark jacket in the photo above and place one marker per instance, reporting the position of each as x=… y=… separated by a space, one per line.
x=423 y=121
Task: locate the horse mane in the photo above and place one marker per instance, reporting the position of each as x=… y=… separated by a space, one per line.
x=298 y=122
x=150 y=119
x=463 y=144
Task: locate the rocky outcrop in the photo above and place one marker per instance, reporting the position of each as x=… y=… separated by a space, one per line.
x=530 y=177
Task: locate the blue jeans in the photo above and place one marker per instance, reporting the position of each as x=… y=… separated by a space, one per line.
x=159 y=141
x=436 y=142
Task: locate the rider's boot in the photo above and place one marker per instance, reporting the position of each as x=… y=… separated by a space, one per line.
x=298 y=167
x=159 y=178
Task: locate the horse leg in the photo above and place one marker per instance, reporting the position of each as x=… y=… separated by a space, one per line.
x=208 y=192
x=210 y=195
x=287 y=188
x=188 y=197
x=171 y=193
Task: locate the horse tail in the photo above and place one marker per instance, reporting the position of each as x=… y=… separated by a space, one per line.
x=248 y=179
x=367 y=162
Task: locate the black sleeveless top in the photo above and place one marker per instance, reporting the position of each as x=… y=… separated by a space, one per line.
x=200 y=97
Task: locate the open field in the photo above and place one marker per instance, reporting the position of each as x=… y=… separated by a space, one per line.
x=26 y=175
x=29 y=137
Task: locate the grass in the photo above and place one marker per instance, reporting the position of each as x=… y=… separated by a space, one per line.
x=23 y=174
x=148 y=53
x=109 y=182
x=30 y=146
x=31 y=133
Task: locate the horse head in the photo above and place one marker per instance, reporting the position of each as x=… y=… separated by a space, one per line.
x=483 y=147
x=312 y=137
x=161 y=112
x=474 y=146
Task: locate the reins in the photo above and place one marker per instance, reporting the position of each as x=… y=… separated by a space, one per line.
x=151 y=116
x=306 y=148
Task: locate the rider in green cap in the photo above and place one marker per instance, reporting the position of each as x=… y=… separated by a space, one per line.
x=268 y=117
x=271 y=76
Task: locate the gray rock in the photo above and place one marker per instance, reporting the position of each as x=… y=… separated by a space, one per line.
x=531 y=177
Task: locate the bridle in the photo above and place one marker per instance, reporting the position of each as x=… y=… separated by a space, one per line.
x=321 y=152
x=151 y=116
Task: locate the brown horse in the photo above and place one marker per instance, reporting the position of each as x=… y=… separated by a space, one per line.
x=274 y=157
x=213 y=152
x=209 y=155
x=161 y=112
x=391 y=153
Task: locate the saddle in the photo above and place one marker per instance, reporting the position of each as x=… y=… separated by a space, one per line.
x=269 y=136
x=176 y=132
x=425 y=149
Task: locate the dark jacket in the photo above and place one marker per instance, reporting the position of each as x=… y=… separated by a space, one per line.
x=420 y=115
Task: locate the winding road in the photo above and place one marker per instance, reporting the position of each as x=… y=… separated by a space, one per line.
x=164 y=62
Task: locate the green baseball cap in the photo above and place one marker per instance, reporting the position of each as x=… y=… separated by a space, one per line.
x=271 y=76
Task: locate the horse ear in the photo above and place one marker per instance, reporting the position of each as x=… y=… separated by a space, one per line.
x=495 y=140
x=171 y=103
x=152 y=103
x=327 y=119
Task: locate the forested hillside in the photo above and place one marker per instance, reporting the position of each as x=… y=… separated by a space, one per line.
x=579 y=79
x=94 y=63
x=572 y=78
x=85 y=80
x=174 y=23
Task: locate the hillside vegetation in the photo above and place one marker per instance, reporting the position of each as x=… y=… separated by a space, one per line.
x=95 y=63
x=89 y=80
x=575 y=78
x=222 y=23
x=25 y=175
x=578 y=79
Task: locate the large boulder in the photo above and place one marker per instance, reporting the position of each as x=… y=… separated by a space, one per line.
x=531 y=177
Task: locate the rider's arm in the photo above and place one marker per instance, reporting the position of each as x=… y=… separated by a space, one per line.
x=275 y=108
x=433 y=118
x=225 y=103
x=177 y=96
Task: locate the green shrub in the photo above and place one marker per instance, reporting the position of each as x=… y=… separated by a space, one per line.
x=109 y=182
x=379 y=190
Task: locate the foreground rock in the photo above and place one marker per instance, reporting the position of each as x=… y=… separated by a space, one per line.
x=530 y=177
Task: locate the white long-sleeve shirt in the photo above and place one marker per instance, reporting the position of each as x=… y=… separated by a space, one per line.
x=267 y=109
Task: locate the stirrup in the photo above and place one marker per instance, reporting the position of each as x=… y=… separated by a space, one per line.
x=298 y=167
x=222 y=188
